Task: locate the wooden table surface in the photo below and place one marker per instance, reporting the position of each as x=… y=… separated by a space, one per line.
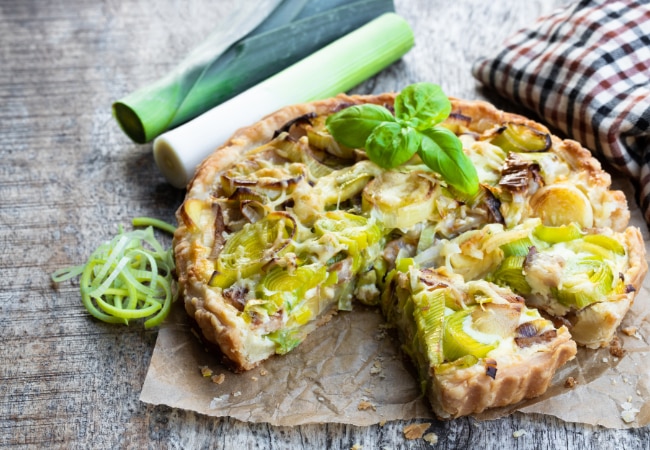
x=69 y=177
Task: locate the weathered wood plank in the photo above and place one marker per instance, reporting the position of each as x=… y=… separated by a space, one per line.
x=68 y=177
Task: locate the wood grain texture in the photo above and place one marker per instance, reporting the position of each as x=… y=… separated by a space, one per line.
x=69 y=177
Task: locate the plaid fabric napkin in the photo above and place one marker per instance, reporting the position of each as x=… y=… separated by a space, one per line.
x=585 y=69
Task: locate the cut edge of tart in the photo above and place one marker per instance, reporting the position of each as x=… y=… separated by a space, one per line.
x=283 y=227
x=475 y=344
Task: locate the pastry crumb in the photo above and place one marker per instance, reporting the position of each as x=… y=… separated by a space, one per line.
x=629 y=412
x=356 y=447
x=518 y=433
x=416 y=430
x=253 y=378
x=236 y=394
x=382 y=423
x=206 y=371
x=616 y=349
x=264 y=372
x=431 y=438
x=376 y=367
x=570 y=382
x=630 y=331
x=218 y=379
x=365 y=405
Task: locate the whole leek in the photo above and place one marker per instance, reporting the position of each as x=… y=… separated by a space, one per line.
x=333 y=69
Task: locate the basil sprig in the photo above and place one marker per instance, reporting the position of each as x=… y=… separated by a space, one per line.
x=391 y=140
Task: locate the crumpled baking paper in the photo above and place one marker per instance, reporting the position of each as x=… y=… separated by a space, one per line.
x=351 y=371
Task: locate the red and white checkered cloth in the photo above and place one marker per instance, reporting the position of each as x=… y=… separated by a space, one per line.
x=585 y=69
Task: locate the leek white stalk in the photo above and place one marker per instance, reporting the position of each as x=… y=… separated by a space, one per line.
x=335 y=68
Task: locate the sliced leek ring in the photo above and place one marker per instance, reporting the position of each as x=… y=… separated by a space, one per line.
x=320 y=138
x=316 y=168
x=584 y=282
x=519 y=247
x=457 y=342
x=582 y=246
x=283 y=289
x=254 y=245
x=556 y=234
x=511 y=273
x=357 y=228
x=253 y=210
x=517 y=137
x=428 y=312
x=300 y=151
x=276 y=178
x=606 y=242
x=497 y=318
x=197 y=214
x=325 y=142
x=562 y=203
x=340 y=185
x=356 y=232
x=400 y=199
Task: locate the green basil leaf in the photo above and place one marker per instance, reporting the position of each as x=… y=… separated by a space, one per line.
x=391 y=145
x=422 y=105
x=352 y=126
x=442 y=151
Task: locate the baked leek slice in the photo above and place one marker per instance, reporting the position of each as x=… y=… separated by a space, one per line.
x=518 y=137
x=475 y=344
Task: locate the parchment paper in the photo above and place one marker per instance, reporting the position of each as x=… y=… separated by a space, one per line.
x=350 y=371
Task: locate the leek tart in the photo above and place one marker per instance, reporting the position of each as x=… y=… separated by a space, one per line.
x=283 y=226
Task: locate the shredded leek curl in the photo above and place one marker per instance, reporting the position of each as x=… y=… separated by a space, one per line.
x=129 y=277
